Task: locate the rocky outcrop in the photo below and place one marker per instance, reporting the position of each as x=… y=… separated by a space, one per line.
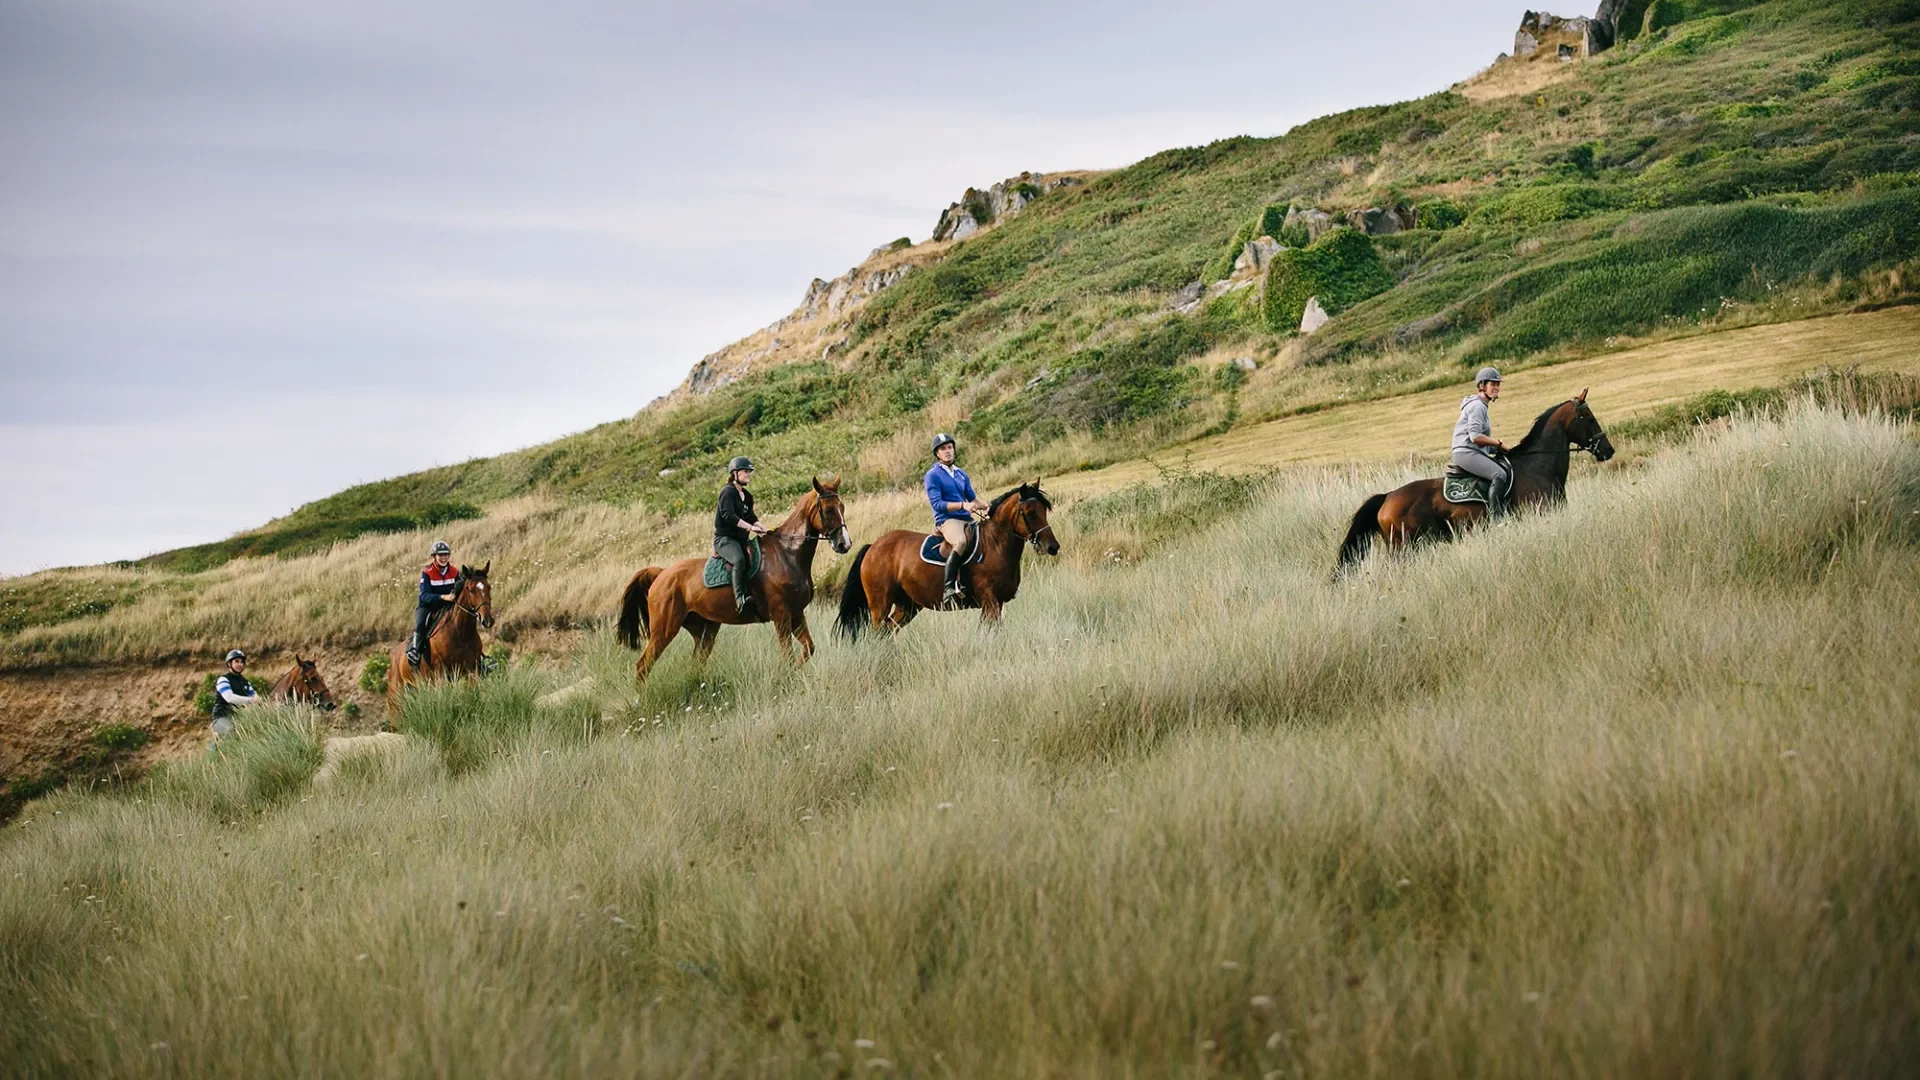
x=1552 y=36
x=1382 y=221
x=817 y=330
x=1255 y=255
x=1315 y=221
x=1314 y=317
x=977 y=209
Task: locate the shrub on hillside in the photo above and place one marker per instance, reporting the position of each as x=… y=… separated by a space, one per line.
x=119 y=737
x=1341 y=269
x=268 y=756
x=1535 y=206
x=373 y=677
x=1099 y=387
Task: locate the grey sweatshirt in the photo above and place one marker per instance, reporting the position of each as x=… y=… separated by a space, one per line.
x=1473 y=421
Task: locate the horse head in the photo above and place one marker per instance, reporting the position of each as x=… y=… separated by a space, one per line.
x=1025 y=513
x=308 y=684
x=1584 y=430
x=475 y=595
x=827 y=517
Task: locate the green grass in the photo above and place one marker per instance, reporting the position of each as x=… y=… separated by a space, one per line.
x=1625 y=788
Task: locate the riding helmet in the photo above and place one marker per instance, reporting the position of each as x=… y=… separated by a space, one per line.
x=1487 y=374
x=440 y=548
x=737 y=464
x=235 y=654
x=943 y=439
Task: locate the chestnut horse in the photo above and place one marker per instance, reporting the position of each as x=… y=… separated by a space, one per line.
x=453 y=648
x=1419 y=512
x=303 y=684
x=659 y=602
x=890 y=583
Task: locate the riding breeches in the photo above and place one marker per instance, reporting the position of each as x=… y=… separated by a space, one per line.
x=734 y=554
x=954 y=532
x=1496 y=472
x=421 y=613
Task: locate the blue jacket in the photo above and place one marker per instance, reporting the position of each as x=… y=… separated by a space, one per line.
x=945 y=487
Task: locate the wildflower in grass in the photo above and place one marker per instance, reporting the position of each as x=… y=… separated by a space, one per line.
x=1262 y=1001
x=863 y=1044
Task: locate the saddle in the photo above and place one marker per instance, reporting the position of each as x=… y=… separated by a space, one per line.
x=1460 y=486
x=718 y=575
x=930 y=547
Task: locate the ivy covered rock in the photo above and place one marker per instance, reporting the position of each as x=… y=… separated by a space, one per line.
x=1339 y=270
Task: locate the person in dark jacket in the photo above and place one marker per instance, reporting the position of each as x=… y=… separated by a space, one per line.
x=231 y=693
x=439 y=587
x=733 y=523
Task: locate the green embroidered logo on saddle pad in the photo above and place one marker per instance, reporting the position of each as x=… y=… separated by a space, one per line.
x=1464 y=489
x=718 y=575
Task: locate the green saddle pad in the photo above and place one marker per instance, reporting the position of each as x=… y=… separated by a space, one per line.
x=718 y=575
x=1464 y=489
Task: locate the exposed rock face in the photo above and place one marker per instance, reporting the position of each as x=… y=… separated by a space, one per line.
x=1382 y=221
x=1315 y=221
x=1255 y=255
x=978 y=209
x=1554 y=37
x=1314 y=317
x=814 y=331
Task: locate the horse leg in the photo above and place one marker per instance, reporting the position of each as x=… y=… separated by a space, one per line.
x=660 y=631
x=704 y=632
x=989 y=607
x=806 y=639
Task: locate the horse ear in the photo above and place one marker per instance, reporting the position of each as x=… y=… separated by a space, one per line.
x=817 y=489
x=1581 y=396
x=298 y=660
x=486 y=566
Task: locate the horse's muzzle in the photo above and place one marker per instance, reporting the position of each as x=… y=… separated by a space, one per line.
x=842 y=541
x=1602 y=450
x=487 y=622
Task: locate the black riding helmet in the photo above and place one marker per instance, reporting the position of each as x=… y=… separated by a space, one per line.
x=943 y=439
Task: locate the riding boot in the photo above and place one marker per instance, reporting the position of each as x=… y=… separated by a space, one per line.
x=950 y=590
x=742 y=600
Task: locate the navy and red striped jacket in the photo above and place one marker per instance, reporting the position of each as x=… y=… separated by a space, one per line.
x=439 y=585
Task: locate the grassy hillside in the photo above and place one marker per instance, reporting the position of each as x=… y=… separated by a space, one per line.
x=1624 y=789
x=1738 y=162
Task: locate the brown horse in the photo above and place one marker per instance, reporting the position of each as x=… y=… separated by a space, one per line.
x=1419 y=512
x=660 y=602
x=454 y=646
x=303 y=684
x=890 y=583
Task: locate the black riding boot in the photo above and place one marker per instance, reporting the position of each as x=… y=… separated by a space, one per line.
x=950 y=581
x=417 y=648
x=742 y=600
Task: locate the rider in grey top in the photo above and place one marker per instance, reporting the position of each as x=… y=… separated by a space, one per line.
x=1474 y=447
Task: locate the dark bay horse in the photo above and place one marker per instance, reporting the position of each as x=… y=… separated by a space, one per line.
x=889 y=583
x=1419 y=512
x=454 y=646
x=303 y=684
x=659 y=602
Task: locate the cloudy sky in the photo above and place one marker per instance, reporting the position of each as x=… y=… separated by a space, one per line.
x=253 y=252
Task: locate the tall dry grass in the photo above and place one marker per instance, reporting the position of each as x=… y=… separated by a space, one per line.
x=1625 y=789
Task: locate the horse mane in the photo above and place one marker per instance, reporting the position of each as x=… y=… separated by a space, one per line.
x=1539 y=428
x=1024 y=490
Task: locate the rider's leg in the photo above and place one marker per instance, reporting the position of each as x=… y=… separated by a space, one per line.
x=734 y=554
x=954 y=532
x=417 y=648
x=1498 y=477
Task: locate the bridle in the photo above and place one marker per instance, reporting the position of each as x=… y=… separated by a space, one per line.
x=1592 y=447
x=1032 y=538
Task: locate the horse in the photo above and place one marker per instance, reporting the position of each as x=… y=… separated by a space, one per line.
x=453 y=648
x=659 y=602
x=303 y=684
x=890 y=583
x=1418 y=512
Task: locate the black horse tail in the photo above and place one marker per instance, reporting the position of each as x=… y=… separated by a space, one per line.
x=1366 y=522
x=633 y=608
x=853 y=598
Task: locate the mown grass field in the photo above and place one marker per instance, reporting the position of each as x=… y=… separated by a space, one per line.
x=1629 y=788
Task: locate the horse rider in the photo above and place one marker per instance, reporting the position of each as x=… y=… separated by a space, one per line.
x=1475 y=450
x=439 y=587
x=733 y=523
x=231 y=692
x=950 y=493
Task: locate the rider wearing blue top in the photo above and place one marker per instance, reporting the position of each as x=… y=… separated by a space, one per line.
x=950 y=493
x=1475 y=448
x=231 y=692
x=439 y=587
